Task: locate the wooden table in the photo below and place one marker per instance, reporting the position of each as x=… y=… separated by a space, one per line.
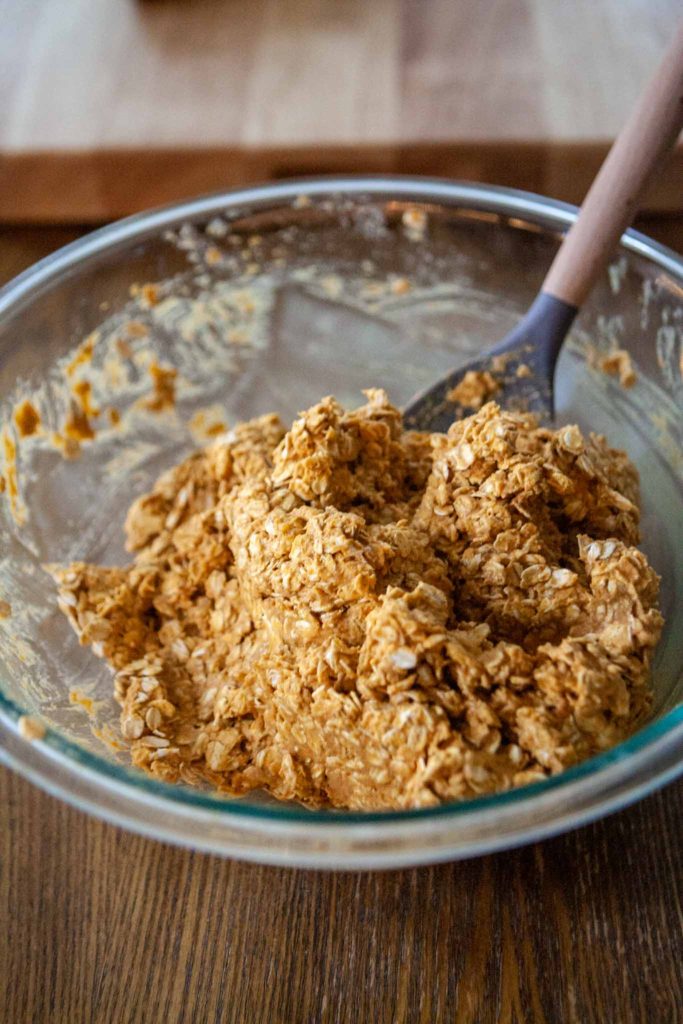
x=98 y=926
x=101 y=927
x=111 y=106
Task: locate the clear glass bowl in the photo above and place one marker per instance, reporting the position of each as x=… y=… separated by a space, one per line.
x=267 y=299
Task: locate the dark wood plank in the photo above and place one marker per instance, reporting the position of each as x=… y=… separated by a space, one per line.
x=99 y=925
x=39 y=188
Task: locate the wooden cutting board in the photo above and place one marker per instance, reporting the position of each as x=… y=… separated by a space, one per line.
x=110 y=106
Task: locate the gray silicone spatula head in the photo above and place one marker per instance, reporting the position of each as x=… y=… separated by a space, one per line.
x=522 y=367
x=523 y=364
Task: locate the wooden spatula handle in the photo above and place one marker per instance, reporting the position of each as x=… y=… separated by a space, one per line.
x=615 y=195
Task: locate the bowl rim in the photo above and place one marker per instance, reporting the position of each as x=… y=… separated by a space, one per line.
x=494 y=198
x=586 y=791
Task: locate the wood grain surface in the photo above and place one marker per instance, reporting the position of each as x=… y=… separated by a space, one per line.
x=103 y=926
x=110 y=106
x=99 y=926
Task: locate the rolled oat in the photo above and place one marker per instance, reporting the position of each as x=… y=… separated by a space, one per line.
x=349 y=614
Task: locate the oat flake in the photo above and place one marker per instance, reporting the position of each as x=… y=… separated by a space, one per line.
x=348 y=614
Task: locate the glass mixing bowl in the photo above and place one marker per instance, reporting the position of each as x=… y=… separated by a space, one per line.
x=267 y=299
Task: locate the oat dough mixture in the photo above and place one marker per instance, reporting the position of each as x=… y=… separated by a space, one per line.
x=352 y=615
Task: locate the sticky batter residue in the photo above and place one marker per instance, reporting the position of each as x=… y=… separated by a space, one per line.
x=26 y=418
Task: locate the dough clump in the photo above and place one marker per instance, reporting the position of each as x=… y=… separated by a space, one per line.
x=351 y=615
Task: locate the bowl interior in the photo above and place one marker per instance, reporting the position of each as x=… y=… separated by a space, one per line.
x=267 y=305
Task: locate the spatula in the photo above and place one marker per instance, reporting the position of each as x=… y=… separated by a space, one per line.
x=523 y=363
